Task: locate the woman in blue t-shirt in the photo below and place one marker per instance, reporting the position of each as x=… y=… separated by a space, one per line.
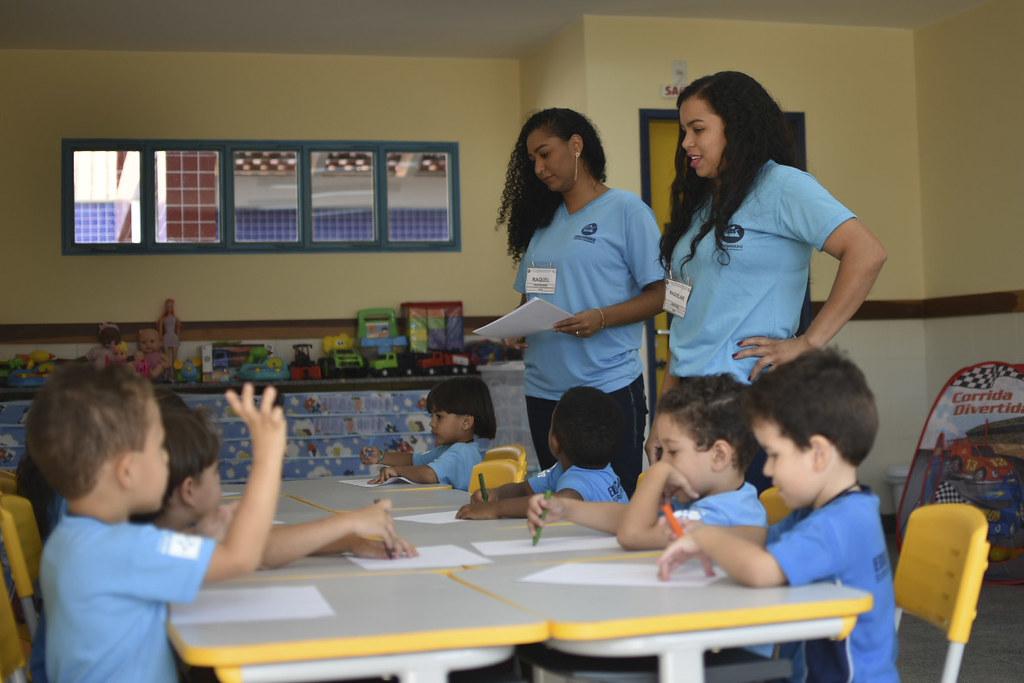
x=592 y=251
x=744 y=223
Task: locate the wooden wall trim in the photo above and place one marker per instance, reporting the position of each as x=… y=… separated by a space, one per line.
x=85 y=333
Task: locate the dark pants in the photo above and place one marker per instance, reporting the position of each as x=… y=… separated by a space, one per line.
x=629 y=456
x=755 y=473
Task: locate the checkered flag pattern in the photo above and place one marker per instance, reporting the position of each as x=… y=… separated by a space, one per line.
x=983 y=377
x=947 y=493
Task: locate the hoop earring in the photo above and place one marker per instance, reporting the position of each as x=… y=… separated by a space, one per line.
x=576 y=168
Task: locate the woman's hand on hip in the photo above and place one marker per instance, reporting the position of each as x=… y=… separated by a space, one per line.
x=584 y=324
x=771 y=352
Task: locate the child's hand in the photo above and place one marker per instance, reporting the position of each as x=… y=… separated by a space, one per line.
x=383 y=475
x=369 y=548
x=679 y=552
x=677 y=483
x=375 y=521
x=215 y=524
x=266 y=423
x=370 y=455
x=556 y=508
x=477 y=510
x=477 y=497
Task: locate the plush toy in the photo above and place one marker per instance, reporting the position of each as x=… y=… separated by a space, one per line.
x=108 y=337
x=151 y=353
x=169 y=329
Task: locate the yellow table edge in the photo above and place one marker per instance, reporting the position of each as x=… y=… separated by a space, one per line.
x=702 y=621
x=356 y=646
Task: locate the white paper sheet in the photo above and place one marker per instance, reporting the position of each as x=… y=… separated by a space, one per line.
x=446 y=517
x=690 y=575
x=536 y=315
x=431 y=557
x=365 y=483
x=267 y=603
x=525 y=546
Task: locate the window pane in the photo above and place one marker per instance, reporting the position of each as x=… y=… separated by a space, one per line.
x=418 y=195
x=187 y=196
x=266 y=197
x=342 y=186
x=107 y=198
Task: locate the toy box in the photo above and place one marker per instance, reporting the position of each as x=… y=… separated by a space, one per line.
x=223 y=360
x=433 y=325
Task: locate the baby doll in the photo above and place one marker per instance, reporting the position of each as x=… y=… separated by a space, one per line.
x=108 y=337
x=151 y=351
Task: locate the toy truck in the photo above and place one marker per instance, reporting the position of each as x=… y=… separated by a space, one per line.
x=303 y=366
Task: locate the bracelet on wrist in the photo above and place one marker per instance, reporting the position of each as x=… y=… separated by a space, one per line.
x=380 y=458
x=603 y=321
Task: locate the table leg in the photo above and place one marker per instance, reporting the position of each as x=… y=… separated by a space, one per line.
x=681 y=666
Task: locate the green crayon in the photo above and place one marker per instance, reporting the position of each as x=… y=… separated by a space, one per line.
x=543 y=516
x=483 y=486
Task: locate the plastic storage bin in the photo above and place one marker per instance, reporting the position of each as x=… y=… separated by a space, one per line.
x=506 y=382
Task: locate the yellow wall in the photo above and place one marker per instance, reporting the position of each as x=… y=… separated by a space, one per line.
x=970 y=76
x=856 y=86
x=555 y=75
x=53 y=94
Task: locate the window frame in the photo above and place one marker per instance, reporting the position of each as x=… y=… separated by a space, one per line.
x=227 y=244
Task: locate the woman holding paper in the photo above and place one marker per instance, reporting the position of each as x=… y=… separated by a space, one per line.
x=593 y=252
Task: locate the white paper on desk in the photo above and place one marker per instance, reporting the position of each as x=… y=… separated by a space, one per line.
x=690 y=575
x=525 y=546
x=446 y=517
x=431 y=557
x=536 y=315
x=367 y=485
x=268 y=603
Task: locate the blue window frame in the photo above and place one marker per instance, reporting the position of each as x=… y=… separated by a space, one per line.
x=246 y=196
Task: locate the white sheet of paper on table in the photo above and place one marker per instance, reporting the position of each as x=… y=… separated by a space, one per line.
x=446 y=517
x=367 y=485
x=525 y=546
x=430 y=557
x=536 y=315
x=690 y=575
x=268 y=603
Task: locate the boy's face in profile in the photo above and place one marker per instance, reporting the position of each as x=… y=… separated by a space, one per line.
x=790 y=467
x=206 y=493
x=152 y=464
x=680 y=450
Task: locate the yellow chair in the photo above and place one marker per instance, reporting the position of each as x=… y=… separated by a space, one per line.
x=12 y=657
x=24 y=551
x=496 y=473
x=640 y=478
x=774 y=505
x=515 y=452
x=8 y=482
x=938 y=577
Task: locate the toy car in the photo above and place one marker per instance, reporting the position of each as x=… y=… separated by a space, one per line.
x=342 y=363
x=303 y=366
x=443 y=363
x=393 y=364
x=269 y=370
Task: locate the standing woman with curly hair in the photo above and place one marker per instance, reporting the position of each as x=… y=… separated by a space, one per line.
x=590 y=250
x=743 y=224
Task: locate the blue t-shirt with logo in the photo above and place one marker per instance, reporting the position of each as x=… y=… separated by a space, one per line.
x=594 y=486
x=731 y=508
x=455 y=465
x=105 y=591
x=842 y=542
x=759 y=291
x=604 y=254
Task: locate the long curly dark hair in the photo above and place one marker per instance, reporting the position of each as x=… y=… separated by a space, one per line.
x=526 y=203
x=755 y=131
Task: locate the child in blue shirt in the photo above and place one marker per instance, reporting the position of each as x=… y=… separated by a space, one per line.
x=816 y=419
x=585 y=428
x=97 y=438
x=706 y=447
x=460 y=410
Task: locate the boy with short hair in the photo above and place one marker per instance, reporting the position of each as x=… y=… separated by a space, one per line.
x=585 y=429
x=816 y=418
x=192 y=503
x=97 y=438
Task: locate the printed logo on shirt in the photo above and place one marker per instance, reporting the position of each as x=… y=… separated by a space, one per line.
x=614 y=490
x=182 y=546
x=585 y=233
x=881 y=567
x=732 y=235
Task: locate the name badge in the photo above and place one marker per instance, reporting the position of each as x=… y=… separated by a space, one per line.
x=541 y=280
x=677 y=294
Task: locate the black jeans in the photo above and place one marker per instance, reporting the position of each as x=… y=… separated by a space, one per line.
x=629 y=456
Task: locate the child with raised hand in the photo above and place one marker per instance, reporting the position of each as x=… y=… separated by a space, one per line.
x=460 y=410
x=585 y=428
x=816 y=419
x=706 y=447
x=192 y=503
x=97 y=437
